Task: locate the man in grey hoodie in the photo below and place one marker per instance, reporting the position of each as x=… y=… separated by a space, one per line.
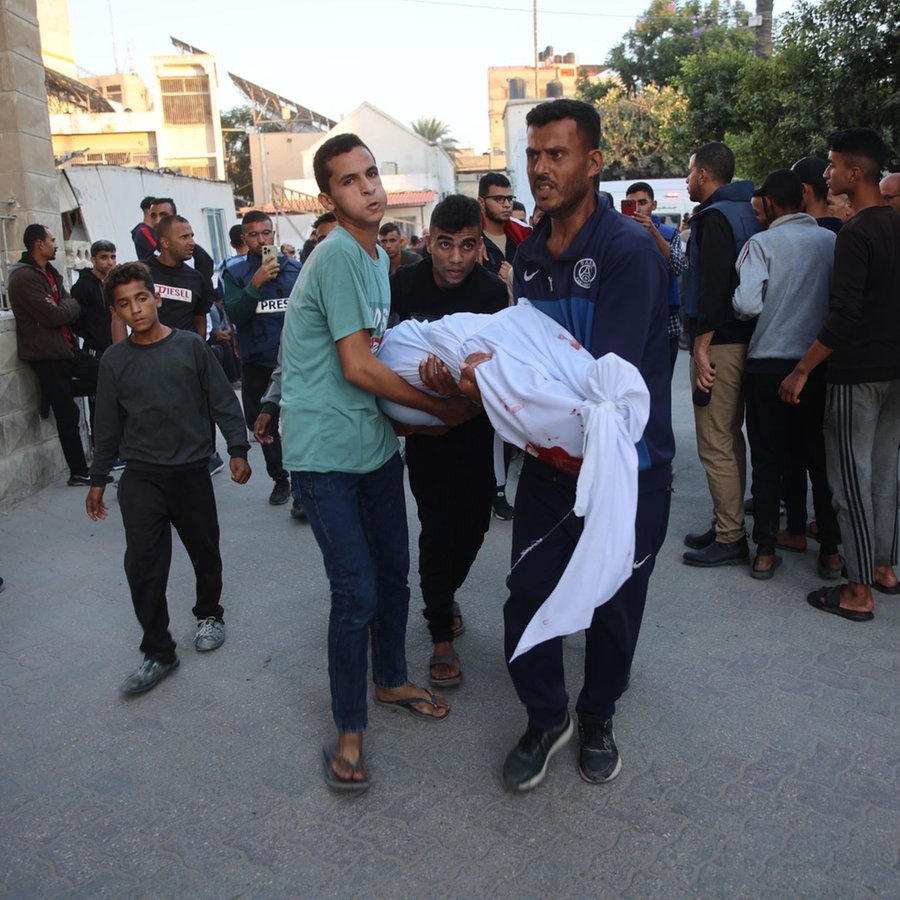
x=785 y=274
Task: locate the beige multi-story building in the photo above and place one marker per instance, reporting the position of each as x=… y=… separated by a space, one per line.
x=172 y=123
x=556 y=76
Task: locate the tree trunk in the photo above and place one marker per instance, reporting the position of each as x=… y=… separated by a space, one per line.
x=763 y=35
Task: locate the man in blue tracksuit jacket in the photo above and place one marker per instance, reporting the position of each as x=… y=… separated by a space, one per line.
x=602 y=277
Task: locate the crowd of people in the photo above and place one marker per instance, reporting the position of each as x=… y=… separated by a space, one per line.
x=792 y=319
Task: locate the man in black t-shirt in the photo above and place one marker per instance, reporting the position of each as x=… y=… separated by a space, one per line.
x=861 y=342
x=186 y=294
x=451 y=473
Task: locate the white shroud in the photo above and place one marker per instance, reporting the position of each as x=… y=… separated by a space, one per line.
x=545 y=393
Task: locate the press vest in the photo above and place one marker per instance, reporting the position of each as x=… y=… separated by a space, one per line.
x=260 y=338
x=674 y=294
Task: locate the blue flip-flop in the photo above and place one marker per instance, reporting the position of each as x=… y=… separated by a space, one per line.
x=444 y=659
x=331 y=777
x=405 y=704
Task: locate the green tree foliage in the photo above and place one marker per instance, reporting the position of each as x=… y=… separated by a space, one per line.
x=436 y=132
x=835 y=66
x=637 y=131
x=667 y=33
x=711 y=80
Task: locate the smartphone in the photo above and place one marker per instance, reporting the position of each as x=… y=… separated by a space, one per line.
x=269 y=251
x=629 y=207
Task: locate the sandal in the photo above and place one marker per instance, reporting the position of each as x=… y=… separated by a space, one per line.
x=405 y=704
x=826 y=571
x=456 y=612
x=828 y=599
x=444 y=659
x=334 y=781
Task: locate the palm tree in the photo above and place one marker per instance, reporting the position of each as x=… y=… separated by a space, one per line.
x=436 y=132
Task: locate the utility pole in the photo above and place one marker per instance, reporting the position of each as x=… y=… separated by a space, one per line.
x=536 y=83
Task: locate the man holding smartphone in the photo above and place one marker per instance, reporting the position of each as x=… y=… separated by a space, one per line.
x=256 y=289
x=639 y=203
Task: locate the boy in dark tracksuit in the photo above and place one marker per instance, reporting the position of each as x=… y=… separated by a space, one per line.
x=156 y=394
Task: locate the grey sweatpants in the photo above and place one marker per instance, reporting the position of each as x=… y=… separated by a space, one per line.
x=862 y=437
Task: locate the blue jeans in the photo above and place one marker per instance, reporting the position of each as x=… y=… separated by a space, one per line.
x=359 y=522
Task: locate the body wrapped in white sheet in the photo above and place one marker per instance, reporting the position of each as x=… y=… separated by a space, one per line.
x=532 y=389
x=545 y=393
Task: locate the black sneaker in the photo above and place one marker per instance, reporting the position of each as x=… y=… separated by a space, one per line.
x=84 y=480
x=281 y=493
x=502 y=509
x=526 y=765
x=297 y=510
x=598 y=760
x=216 y=464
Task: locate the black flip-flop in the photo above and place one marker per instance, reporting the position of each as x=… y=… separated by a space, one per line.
x=828 y=599
x=331 y=777
x=884 y=589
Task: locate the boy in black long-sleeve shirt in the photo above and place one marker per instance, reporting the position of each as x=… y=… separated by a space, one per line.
x=156 y=394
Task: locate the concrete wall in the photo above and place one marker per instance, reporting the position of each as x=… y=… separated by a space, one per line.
x=276 y=158
x=110 y=198
x=30 y=456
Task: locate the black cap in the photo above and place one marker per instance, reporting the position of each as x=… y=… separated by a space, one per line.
x=810 y=170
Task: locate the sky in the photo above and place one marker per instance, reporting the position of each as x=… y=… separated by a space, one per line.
x=410 y=58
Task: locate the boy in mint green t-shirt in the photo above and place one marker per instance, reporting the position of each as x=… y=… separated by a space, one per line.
x=344 y=455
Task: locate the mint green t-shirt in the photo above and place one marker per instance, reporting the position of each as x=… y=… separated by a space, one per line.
x=328 y=424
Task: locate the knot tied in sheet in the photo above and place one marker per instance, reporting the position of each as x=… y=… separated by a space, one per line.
x=614 y=416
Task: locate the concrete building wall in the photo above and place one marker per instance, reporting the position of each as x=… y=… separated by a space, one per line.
x=116 y=138
x=189 y=143
x=398 y=150
x=109 y=198
x=278 y=157
x=30 y=456
x=556 y=77
x=56 y=35
x=516 y=140
x=124 y=88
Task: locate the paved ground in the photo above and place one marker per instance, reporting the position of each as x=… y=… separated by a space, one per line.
x=761 y=740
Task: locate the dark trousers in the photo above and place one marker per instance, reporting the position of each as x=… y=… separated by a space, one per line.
x=152 y=503
x=254 y=382
x=452 y=479
x=55 y=377
x=544 y=501
x=787 y=438
x=793 y=493
x=228 y=360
